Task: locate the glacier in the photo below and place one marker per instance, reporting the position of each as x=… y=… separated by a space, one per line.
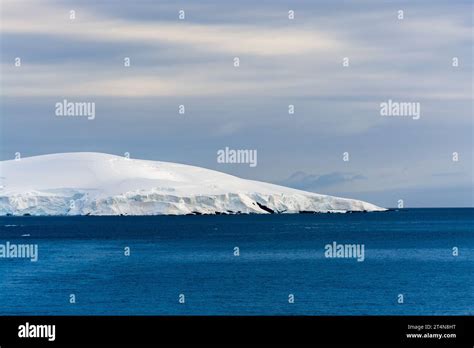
x=88 y=183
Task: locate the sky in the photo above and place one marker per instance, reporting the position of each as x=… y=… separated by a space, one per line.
x=283 y=61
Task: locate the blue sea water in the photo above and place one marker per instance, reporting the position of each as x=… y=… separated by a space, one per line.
x=408 y=252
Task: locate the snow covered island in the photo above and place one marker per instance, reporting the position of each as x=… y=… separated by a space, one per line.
x=86 y=183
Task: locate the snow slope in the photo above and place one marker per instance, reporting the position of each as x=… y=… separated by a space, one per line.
x=100 y=184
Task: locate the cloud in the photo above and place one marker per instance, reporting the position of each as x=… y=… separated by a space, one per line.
x=243 y=39
x=192 y=57
x=312 y=182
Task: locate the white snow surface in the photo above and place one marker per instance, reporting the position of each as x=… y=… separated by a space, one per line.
x=87 y=183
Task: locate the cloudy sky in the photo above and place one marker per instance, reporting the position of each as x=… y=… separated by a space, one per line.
x=283 y=61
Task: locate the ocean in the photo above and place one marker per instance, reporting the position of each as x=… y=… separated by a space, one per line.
x=408 y=262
